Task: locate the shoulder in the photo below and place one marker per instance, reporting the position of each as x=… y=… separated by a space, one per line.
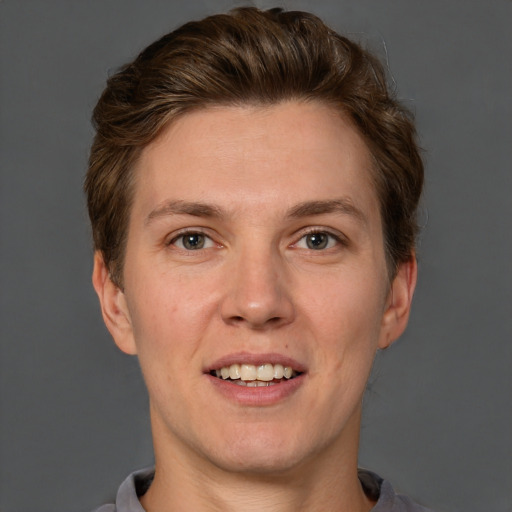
x=127 y=499
x=387 y=499
x=405 y=504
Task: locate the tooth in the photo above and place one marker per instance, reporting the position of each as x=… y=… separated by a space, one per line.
x=278 y=371
x=252 y=384
x=234 y=371
x=261 y=383
x=248 y=372
x=265 y=372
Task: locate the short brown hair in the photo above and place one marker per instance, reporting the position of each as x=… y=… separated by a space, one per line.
x=250 y=57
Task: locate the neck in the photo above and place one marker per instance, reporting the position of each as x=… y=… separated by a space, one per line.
x=327 y=482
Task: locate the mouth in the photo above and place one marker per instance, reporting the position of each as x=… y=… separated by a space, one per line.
x=250 y=375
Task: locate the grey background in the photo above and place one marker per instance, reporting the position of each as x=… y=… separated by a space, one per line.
x=438 y=417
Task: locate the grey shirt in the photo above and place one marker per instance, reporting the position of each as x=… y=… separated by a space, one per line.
x=376 y=488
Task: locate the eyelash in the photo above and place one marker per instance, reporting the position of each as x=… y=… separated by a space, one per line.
x=338 y=240
x=191 y=232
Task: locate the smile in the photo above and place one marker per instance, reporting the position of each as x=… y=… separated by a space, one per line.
x=251 y=375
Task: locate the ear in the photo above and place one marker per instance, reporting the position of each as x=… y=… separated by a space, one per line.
x=113 y=306
x=398 y=303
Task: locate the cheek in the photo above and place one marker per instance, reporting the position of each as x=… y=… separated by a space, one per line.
x=346 y=314
x=167 y=326
x=166 y=316
x=172 y=313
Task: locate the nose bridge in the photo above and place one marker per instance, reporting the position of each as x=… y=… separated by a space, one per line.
x=259 y=293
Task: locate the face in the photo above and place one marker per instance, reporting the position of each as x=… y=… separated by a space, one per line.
x=256 y=289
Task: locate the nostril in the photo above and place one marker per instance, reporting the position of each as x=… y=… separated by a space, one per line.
x=239 y=319
x=272 y=310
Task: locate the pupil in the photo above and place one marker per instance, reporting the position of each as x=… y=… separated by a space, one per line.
x=317 y=241
x=194 y=241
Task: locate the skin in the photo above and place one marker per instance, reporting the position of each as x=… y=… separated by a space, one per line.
x=256 y=287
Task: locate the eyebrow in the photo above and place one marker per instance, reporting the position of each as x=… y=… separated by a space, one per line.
x=184 y=208
x=342 y=205
x=306 y=209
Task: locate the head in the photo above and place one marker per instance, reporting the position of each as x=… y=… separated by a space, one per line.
x=249 y=58
x=252 y=191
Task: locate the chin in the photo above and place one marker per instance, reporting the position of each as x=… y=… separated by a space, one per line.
x=258 y=463
x=258 y=451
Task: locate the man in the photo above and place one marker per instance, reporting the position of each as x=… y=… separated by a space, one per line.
x=252 y=190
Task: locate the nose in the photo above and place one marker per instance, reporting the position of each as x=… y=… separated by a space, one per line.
x=259 y=292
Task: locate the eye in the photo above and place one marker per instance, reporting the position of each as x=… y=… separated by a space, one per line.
x=317 y=241
x=192 y=241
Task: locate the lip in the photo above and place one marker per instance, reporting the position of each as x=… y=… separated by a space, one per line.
x=256 y=396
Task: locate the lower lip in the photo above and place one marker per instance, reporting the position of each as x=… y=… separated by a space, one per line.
x=257 y=396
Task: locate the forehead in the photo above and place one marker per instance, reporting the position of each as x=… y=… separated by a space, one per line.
x=255 y=156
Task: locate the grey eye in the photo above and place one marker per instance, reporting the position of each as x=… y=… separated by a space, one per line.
x=317 y=241
x=193 y=241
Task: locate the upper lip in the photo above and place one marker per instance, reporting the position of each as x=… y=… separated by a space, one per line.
x=256 y=360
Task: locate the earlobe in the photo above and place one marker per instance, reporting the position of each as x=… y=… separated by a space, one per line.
x=113 y=306
x=398 y=306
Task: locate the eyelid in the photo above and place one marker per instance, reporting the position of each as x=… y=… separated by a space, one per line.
x=171 y=239
x=339 y=237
